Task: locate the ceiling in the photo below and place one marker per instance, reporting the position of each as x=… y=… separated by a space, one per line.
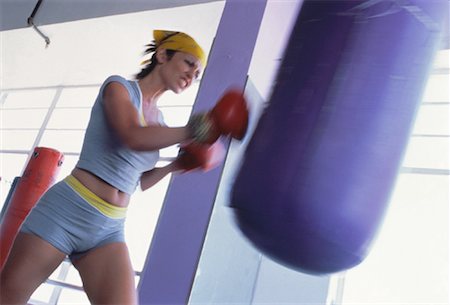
x=85 y=50
x=15 y=13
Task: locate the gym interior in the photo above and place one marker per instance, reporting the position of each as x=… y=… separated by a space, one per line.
x=185 y=241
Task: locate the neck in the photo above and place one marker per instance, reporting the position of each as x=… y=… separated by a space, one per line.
x=152 y=88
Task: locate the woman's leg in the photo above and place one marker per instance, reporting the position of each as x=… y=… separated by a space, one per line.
x=31 y=261
x=107 y=274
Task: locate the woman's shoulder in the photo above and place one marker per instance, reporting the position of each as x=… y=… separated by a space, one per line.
x=115 y=78
x=128 y=85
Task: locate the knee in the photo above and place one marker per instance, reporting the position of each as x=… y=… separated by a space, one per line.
x=117 y=297
x=12 y=289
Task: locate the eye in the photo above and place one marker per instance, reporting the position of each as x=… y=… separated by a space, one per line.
x=190 y=63
x=193 y=65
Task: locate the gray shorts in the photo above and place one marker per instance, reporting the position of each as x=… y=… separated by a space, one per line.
x=70 y=223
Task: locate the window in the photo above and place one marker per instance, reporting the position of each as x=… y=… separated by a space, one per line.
x=57 y=118
x=408 y=263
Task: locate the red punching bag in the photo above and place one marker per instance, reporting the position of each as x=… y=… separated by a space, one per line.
x=39 y=175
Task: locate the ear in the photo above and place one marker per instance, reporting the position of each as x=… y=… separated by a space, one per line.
x=161 y=56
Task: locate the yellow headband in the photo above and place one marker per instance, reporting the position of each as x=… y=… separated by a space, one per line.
x=179 y=41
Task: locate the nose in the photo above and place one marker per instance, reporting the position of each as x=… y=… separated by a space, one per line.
x=191 y=73
x=190 y=77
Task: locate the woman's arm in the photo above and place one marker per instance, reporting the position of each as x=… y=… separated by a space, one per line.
x=123 y=117
x=151 y=177
x=193 y=156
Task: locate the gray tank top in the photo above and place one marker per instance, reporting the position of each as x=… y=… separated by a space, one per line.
x=104 y=155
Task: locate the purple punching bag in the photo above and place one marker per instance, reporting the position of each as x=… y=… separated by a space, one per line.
x=317 y=174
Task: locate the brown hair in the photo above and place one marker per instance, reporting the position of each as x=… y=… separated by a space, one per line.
x=151 y=48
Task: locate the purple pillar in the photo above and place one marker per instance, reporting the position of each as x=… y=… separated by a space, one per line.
x=318 y=172
x=177 y=243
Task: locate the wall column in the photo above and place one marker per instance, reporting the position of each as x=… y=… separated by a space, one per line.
x=178 y=239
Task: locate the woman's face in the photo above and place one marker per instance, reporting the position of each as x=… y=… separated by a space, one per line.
x=180 y=71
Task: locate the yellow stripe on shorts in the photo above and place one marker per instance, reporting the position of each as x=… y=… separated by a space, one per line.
x=104 y=207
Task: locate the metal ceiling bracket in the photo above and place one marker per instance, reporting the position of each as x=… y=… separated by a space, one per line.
x=30 y=22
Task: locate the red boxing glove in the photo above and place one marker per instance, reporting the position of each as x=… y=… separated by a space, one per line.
x=201 y=156
x=203 y=128
x=231 y=114
x=228 y=117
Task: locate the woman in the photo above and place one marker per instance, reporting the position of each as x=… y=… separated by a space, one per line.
x=83 y=215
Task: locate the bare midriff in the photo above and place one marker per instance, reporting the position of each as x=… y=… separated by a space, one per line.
x=101 y=188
